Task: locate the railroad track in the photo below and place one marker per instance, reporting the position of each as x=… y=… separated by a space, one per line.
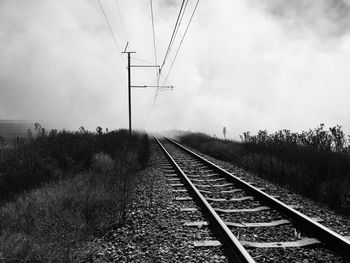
x=244 y=218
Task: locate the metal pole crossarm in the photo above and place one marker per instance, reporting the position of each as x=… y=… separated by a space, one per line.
x=137 y=86
x=144 y=66
x=147 y=86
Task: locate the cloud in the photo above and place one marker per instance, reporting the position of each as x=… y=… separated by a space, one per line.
x=325 y=18
x=244 y=65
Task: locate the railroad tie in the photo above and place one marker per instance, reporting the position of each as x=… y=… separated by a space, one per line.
x=171 y=175
x=196 y=223
x=231 y=191
x=305 y=242
x=230 y=200
x=214 y=185
x=244 y=210
x=206 y=171
x=222 y=185
x=216 y=180
x=262 y=224
x=202 y=185
x=206 y=192
x=198 y=180
x=265 y=224
x=211 y=175
x=322 y=233
x=206 y=243
x=176 y=185
x=193 y=175
x=173 y=179
x=183 y=199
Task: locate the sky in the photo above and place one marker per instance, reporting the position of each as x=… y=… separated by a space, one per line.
x=247 y=65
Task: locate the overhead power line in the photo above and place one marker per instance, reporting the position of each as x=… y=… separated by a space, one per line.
x=112 y=33
x=142 y=60
x=177 y=51
x=121 y=20
x=154 y=43
x=160 y=88
x=171 y=42
x=172 y=35
x=181 y=18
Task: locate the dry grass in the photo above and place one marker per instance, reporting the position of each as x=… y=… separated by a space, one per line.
x=54 y=223
x=62 y=190
x=315 y=163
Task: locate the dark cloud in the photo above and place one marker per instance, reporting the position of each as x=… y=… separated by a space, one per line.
x=326 y=18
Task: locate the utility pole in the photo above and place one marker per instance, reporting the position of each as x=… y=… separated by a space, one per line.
x=136 y=86
x=129 y=88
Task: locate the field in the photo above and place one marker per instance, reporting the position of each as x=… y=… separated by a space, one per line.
x=10 y=130
x=314 y=163
x=61 y=190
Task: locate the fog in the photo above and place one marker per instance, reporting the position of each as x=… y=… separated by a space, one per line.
x=246 y=65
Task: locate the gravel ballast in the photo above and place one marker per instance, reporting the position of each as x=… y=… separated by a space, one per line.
x=154 y=230
x=331 y=219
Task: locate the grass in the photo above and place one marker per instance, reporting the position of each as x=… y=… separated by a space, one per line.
x=314 y=163
x=47 y=156
x=55 y=221
x=57 y=218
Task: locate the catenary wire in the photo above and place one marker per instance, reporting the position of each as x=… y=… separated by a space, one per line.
x=172 y=36
x=179 y=24
x=160 y=89
x=154 y=36
x=142 y=60
x=177 y=51
x=181 y=18
x=110 y=29
x=154 y=43
x=176 y=28
x=121 y=20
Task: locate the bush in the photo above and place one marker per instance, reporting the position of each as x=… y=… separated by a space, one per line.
x=102 y=163
x=315 y=163
x=46 y=155
x=82 y=194
x=54 y=221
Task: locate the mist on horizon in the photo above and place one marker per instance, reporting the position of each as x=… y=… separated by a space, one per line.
x=246 y=65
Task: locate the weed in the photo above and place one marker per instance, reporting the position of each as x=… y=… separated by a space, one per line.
x=315 y=163
x=62 y=189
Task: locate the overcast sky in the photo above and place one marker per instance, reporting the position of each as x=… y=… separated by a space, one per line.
x=244 y=64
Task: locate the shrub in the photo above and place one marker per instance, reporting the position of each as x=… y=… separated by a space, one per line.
x=57 y=221
x=50 y=222
x=102 y=163
x=315 y=163
x=46 y=155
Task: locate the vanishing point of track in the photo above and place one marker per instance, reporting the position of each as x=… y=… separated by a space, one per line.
x=217 y=186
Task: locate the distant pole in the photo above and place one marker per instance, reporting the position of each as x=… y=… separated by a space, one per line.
x=129 y=85
x=129 y=92
x=136 y=86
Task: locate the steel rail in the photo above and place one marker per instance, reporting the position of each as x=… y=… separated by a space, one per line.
x=232 y=246
x=335 y=241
